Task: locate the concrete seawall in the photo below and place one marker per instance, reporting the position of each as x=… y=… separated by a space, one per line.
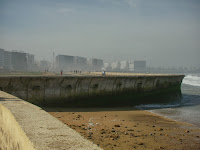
x=97 y=90
x=11 y=134
x=24 y=126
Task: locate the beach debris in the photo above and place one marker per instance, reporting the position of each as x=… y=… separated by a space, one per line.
x=134 y=147
x=138 y=131
x=117 y=125
x=131 y=134
x=187 y=131
x=140 y=143
x=126 y=133
x=79 y=116
x=160 y=129
x=89 y=135
x=102 y=132
x=84 y=129
x=161 y=147
x=91 y=124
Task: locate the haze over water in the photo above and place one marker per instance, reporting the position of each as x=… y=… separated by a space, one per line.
x=165 y=33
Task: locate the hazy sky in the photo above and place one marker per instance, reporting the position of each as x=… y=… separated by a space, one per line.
x=163 y=32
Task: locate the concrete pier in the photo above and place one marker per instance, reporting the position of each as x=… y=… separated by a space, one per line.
x=26 y=126
x=83 y=91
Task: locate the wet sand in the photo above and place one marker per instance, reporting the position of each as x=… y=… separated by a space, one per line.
x=128 y=128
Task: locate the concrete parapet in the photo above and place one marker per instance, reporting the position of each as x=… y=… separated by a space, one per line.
x=24 y=126
x=79 y=89
x=11 y=134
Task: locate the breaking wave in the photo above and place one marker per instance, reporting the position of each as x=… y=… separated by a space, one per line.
x=193 y=80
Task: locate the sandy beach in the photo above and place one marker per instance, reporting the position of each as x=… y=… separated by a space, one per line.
x=129 y=128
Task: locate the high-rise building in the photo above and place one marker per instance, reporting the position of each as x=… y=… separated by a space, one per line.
x=80 y=63
x=1 y=58
x=116 y=66
x=124 y=65
x=95 y=64
x=64 y=62
x=5 y=60
x=107 y=67
x=19 y=61
x=30 y=62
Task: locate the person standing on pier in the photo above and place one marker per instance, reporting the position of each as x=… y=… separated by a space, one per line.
x=61 y=71
x=103 y=72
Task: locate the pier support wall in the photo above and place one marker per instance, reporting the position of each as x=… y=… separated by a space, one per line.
x=71 y=89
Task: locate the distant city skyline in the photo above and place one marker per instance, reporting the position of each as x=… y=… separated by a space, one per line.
x=164 y=33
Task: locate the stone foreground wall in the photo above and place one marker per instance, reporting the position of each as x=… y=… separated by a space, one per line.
x=12 y=137
x=43 y=90
x=24 y=126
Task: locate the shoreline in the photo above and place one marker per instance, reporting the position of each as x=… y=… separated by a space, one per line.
x=164 y=113
x=181 y=121
x=128 y=128
x=166 y=117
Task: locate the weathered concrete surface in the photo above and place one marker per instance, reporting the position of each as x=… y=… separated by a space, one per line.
x=67 y=89
x=25 y=126
x=11 y=134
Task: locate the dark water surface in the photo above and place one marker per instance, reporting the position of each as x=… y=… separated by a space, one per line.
x=186 y=110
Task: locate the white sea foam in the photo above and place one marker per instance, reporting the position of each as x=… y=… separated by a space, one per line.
x=192 y=80
x=156 y=106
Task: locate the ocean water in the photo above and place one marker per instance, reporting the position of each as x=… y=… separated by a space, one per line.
x=187 y=109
